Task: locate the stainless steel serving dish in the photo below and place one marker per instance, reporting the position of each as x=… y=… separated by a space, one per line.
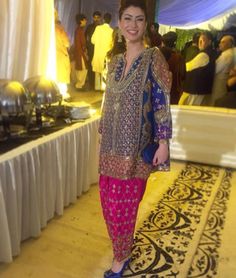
x=42 y=90
x=14 y=98
x=15 y=109
x=43 y=93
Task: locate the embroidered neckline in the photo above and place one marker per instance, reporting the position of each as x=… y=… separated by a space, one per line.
x=121 y=82
x=134 y=63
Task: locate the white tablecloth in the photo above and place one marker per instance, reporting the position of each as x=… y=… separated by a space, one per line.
x=204 y=134
x=40 y=178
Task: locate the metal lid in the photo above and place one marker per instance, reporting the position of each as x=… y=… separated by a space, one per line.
x=13 y=97
x=42 y=90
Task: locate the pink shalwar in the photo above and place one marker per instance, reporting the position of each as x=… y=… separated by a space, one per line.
x=120 y=201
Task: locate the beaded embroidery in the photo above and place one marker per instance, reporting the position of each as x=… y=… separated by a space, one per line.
x=136 y=112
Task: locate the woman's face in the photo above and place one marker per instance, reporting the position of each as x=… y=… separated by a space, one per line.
x=133 y=24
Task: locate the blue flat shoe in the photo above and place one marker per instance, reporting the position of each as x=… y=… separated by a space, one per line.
x=111 y=274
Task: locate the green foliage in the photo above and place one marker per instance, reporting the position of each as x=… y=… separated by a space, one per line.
x=184 y=36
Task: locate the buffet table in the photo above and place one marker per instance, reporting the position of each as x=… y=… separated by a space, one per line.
x=40 y=178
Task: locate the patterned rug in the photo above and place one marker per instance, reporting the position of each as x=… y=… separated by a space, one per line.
x=182 y=234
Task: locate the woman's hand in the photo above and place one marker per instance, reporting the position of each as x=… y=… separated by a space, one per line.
x=161 y=154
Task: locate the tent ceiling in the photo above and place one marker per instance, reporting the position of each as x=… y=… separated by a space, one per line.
x=186 y=14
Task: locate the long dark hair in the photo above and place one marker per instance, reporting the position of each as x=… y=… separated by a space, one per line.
x=119 y=44
x=124 y=4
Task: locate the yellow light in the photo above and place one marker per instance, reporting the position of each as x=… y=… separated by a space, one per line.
x=15 y=85
x=63 y=90
x=92 y=111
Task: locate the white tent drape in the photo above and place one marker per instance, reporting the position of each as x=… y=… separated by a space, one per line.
x=27 y=39
x=67 y=11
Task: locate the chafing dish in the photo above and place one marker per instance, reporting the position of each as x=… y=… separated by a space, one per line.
x=14 y=99
x=14 y=102
x=43 y=93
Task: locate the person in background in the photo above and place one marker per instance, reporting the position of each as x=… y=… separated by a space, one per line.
x=63 y=66
x=229 y=99
x=136 y=113
x=176 y=65
x=224 y=63
x=90 y=47
x=118 y=46
x=155 y=38
x=102 y=40
x=80 y=52
x=200 y=73
x=191 y=50
x=234 y=53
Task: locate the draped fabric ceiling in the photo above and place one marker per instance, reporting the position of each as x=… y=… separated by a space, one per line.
x=27 y=28
x=189 y=14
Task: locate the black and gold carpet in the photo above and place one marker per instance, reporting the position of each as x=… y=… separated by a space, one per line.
x=182 y=234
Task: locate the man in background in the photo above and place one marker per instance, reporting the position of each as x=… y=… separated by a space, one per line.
x=90 y=47
x=191 y=50
x=176 y=65
x=80 y=52
x=102 y=40
x=63 y=67
x=224 y=63
x=200 y=73
x=229 y=99
x=155 y=37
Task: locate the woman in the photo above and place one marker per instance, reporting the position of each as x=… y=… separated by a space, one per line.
x=135 y=114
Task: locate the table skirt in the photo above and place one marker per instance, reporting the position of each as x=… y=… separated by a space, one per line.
x=40 y=178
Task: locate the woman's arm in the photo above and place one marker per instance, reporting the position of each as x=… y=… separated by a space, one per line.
x=161 y=85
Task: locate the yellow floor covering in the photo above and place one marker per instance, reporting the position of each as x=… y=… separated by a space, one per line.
x=181 y=235
x=77 y=245
x=227 y=261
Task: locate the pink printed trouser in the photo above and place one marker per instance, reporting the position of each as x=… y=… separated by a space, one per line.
x=120 y=201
